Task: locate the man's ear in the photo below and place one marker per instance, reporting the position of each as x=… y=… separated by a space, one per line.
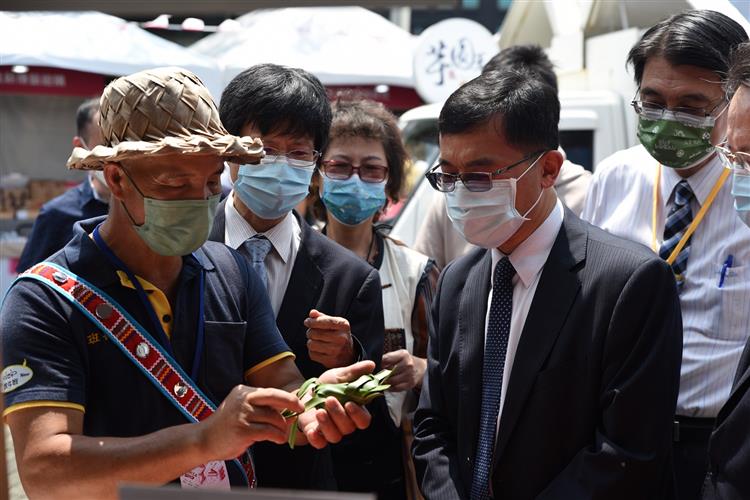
x=78 y=142
x=116 y=180
x=551 y=164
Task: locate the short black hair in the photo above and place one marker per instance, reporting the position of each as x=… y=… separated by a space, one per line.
x=530 y=57
x=739 y=70
x=526 y=108
x=85 y=114
x=702 y=38
x=279 y=99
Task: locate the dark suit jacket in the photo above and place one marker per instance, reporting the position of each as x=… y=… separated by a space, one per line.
x=330 y=278
x=591 y=397
x=53 y=227
x=729 y=448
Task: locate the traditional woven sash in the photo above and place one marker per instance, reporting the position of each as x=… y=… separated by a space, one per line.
x=147 y=354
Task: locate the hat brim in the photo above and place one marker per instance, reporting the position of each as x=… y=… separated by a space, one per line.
x=226 y=147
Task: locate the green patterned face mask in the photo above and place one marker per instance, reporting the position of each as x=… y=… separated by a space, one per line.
x=675 y=144
x=174 y=227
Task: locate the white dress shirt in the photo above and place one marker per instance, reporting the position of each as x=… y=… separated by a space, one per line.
x=716 y=321
x=528 y=260
x=285 y=239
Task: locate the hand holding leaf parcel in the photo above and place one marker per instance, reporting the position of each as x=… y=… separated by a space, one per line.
x=361 y=392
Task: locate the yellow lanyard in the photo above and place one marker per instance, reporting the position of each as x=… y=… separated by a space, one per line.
x=693 y=225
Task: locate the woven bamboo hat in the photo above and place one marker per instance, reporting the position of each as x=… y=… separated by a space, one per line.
x=158 y=112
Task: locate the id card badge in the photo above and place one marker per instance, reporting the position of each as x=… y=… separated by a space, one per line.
x=212 y=475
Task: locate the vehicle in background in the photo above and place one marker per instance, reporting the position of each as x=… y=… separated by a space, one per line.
x=593 y=125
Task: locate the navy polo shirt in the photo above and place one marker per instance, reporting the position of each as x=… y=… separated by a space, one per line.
x=74 y=365
x=53 y=227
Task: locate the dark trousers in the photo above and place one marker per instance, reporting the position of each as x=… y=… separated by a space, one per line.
x=690 y=455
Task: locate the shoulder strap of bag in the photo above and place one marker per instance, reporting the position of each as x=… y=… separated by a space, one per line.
x=135 y=342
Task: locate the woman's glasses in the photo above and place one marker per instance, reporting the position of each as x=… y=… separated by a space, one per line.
x=341 y=170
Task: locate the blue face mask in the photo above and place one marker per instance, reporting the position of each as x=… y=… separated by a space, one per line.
x=352 y=201
x=271 y=190
x=741 y=194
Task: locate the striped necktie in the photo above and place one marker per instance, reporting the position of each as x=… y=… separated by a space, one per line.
x=495 y=349
x=679 y=218
x=257 y=248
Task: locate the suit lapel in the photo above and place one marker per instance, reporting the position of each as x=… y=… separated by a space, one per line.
x=472 y=313
x=217 y=229
x=557 y=290
x=302 y=293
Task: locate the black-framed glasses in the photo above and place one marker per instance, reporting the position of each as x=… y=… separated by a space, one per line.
x=341 y=170
x=298 y=158
x=692 y=117
x=738 y=160
x=474 y=181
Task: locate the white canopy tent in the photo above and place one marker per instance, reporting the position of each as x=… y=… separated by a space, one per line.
x=340 y=45
x=36 y=129
x=95 y=43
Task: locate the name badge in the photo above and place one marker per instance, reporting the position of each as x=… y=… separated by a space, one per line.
x=212 y=475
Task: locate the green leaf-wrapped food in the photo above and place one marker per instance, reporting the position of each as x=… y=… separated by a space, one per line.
x=360 y=391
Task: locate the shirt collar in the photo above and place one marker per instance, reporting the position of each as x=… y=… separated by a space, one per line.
x=85 y=259
x=700 y=182
x=238 y=230
x=529 y=257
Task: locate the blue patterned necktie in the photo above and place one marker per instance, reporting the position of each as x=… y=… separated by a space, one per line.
x=257 y=248
x=495 y=349
x=679 y=218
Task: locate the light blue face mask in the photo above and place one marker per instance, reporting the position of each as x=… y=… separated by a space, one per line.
x=352 y=201
x=741 y=194
x=271 y=190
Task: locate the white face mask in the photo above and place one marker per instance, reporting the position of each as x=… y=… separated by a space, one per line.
x=488 y=218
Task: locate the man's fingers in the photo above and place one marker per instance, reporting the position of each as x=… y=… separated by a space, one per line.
x=358 y=414
x=313 y=434
x=338 y=415
x=321 y=348
x=389 y=359
x=263 y=415
x=327 y=323
x=265 y=432
x=274 y=398
x=314 y=313
x=336 y=337
x=398 y=380
x=353 y=372
x=328 y=427
x=347 y=373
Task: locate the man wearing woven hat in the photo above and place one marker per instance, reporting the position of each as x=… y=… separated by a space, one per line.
x=138 y=327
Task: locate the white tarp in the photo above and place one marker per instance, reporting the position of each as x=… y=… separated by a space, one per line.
x=95 y=43
x=340 y=45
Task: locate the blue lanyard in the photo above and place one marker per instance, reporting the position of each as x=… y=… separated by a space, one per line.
x=157 y=326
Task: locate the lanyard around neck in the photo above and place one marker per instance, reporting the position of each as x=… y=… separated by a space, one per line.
x=157 y=326
x=693 y=225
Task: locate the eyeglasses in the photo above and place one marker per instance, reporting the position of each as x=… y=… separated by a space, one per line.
x=739 y=160
x=342 y=170
x=474 y=181
x=297 y=158
x=692 y=117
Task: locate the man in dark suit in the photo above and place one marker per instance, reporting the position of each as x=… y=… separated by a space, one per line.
x=327 y=301
x=729 y=449
x=53 y=227
x=553 y=363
